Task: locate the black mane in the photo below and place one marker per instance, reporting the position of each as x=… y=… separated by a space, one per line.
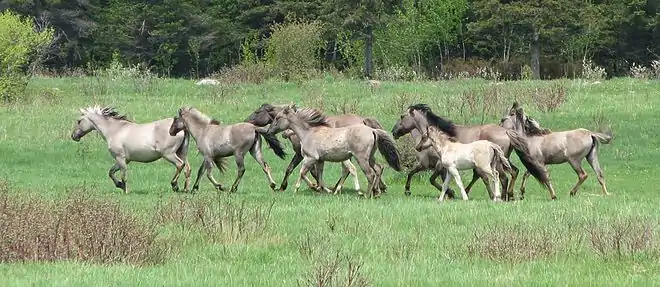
x=444 y=125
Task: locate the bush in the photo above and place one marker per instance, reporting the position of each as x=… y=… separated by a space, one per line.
x=293 y=48
x=75 y=228
x=19 y=46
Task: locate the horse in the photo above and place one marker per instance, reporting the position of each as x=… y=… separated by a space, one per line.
x=482 y=155
x=427 y=158
x=320 y=142
x=423 y=116
x=215 y=142
x=140 y=142
x=544 y=147
x=264 y=116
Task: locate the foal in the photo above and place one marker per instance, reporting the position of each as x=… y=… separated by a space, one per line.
x=215 y=142
x=128 y=141
x=482 y=155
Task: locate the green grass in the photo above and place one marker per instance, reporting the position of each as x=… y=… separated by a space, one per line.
x=400 y=241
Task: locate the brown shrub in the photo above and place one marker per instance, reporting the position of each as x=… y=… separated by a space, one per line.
x=253 y=73
x=329 y=268
x=219 y=221
x=513 y=243
x=75 y=228
x=623 y=237
x=549 y=99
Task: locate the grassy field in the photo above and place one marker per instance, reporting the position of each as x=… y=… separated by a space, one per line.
x=587 y=240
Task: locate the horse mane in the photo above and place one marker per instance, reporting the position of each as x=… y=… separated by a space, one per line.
x=199 y=116
x=444 y=125
x=106 y=112
x=533 y=128
x=312 y=117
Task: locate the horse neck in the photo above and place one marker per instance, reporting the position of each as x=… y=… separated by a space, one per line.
x=415 y=134
x=298 y=127
x=441 y=142
x=106 y=127
x=195 y=125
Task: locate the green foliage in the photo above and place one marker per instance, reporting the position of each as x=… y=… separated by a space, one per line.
x=19 y=45
x=293 y=48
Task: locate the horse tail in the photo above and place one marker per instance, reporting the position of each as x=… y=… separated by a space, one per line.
x=501 y=158
x=604 y=138
x=534 y=167
x=372 y=123
x=182 y=150
x=387 y=148
x=272 y=141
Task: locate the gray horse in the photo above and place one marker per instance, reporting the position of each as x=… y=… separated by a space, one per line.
x=320 y=143
x=128 y=141
x=216 y=141
x=541 y=147
x=265 y=114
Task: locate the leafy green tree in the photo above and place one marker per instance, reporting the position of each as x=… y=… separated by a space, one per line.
x=19 y=45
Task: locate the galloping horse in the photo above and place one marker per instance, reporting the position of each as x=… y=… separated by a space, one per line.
x=320 y=143
x=264 y=116
x=216 y=141
x=128 y=141
x=482 y=155
x=542 y=147
x=423 y=116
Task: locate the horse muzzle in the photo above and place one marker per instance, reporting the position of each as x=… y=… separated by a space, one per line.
x=75 y=137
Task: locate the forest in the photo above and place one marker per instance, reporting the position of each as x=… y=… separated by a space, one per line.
x=375 y=39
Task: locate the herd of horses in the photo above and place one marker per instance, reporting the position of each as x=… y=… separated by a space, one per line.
x=441 y=146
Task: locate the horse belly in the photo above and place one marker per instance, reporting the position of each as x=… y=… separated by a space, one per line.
x=335 y=155
x=144 y=155
x=464 y=163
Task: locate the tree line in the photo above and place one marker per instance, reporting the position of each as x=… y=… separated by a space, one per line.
x=433 y=38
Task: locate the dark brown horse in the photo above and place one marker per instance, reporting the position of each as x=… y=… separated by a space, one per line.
x=265 y=115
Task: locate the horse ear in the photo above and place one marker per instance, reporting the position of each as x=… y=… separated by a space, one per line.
x=515 y=106
x=82 y=111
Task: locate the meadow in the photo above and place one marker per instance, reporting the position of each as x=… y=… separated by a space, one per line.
x=258 y=237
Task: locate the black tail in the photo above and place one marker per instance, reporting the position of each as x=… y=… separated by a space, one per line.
x=273 y=143
x=387 y=149
x=535 y=168
x=182 y=150
x=372 y=123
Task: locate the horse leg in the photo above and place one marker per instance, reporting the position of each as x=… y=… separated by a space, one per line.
x=592 y=159
x=208 y=165
x=582 y=175
x=345 y=171
x=369 y=172
x=306 y=164
x=522 y=184
x=351 y=169
x=511 y=185
x=179 y=164
x=419 y=167
x=256 y=153
x=297 y=158
x=445 y=185
x=319 y=172
x=111 y=173
x=437 y=171
x=485 y=177
x=475 y=177
x=378 y=169
x=200 y=171
x=457 y=177
x=239 y=157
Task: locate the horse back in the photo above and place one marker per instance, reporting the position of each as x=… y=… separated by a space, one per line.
x=338 y=121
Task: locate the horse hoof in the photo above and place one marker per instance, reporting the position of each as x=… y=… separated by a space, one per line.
x=175 y=188
x=407 y=192
x=220 y=187
x=121 y=185
x=273 y=186
x=553 y=197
